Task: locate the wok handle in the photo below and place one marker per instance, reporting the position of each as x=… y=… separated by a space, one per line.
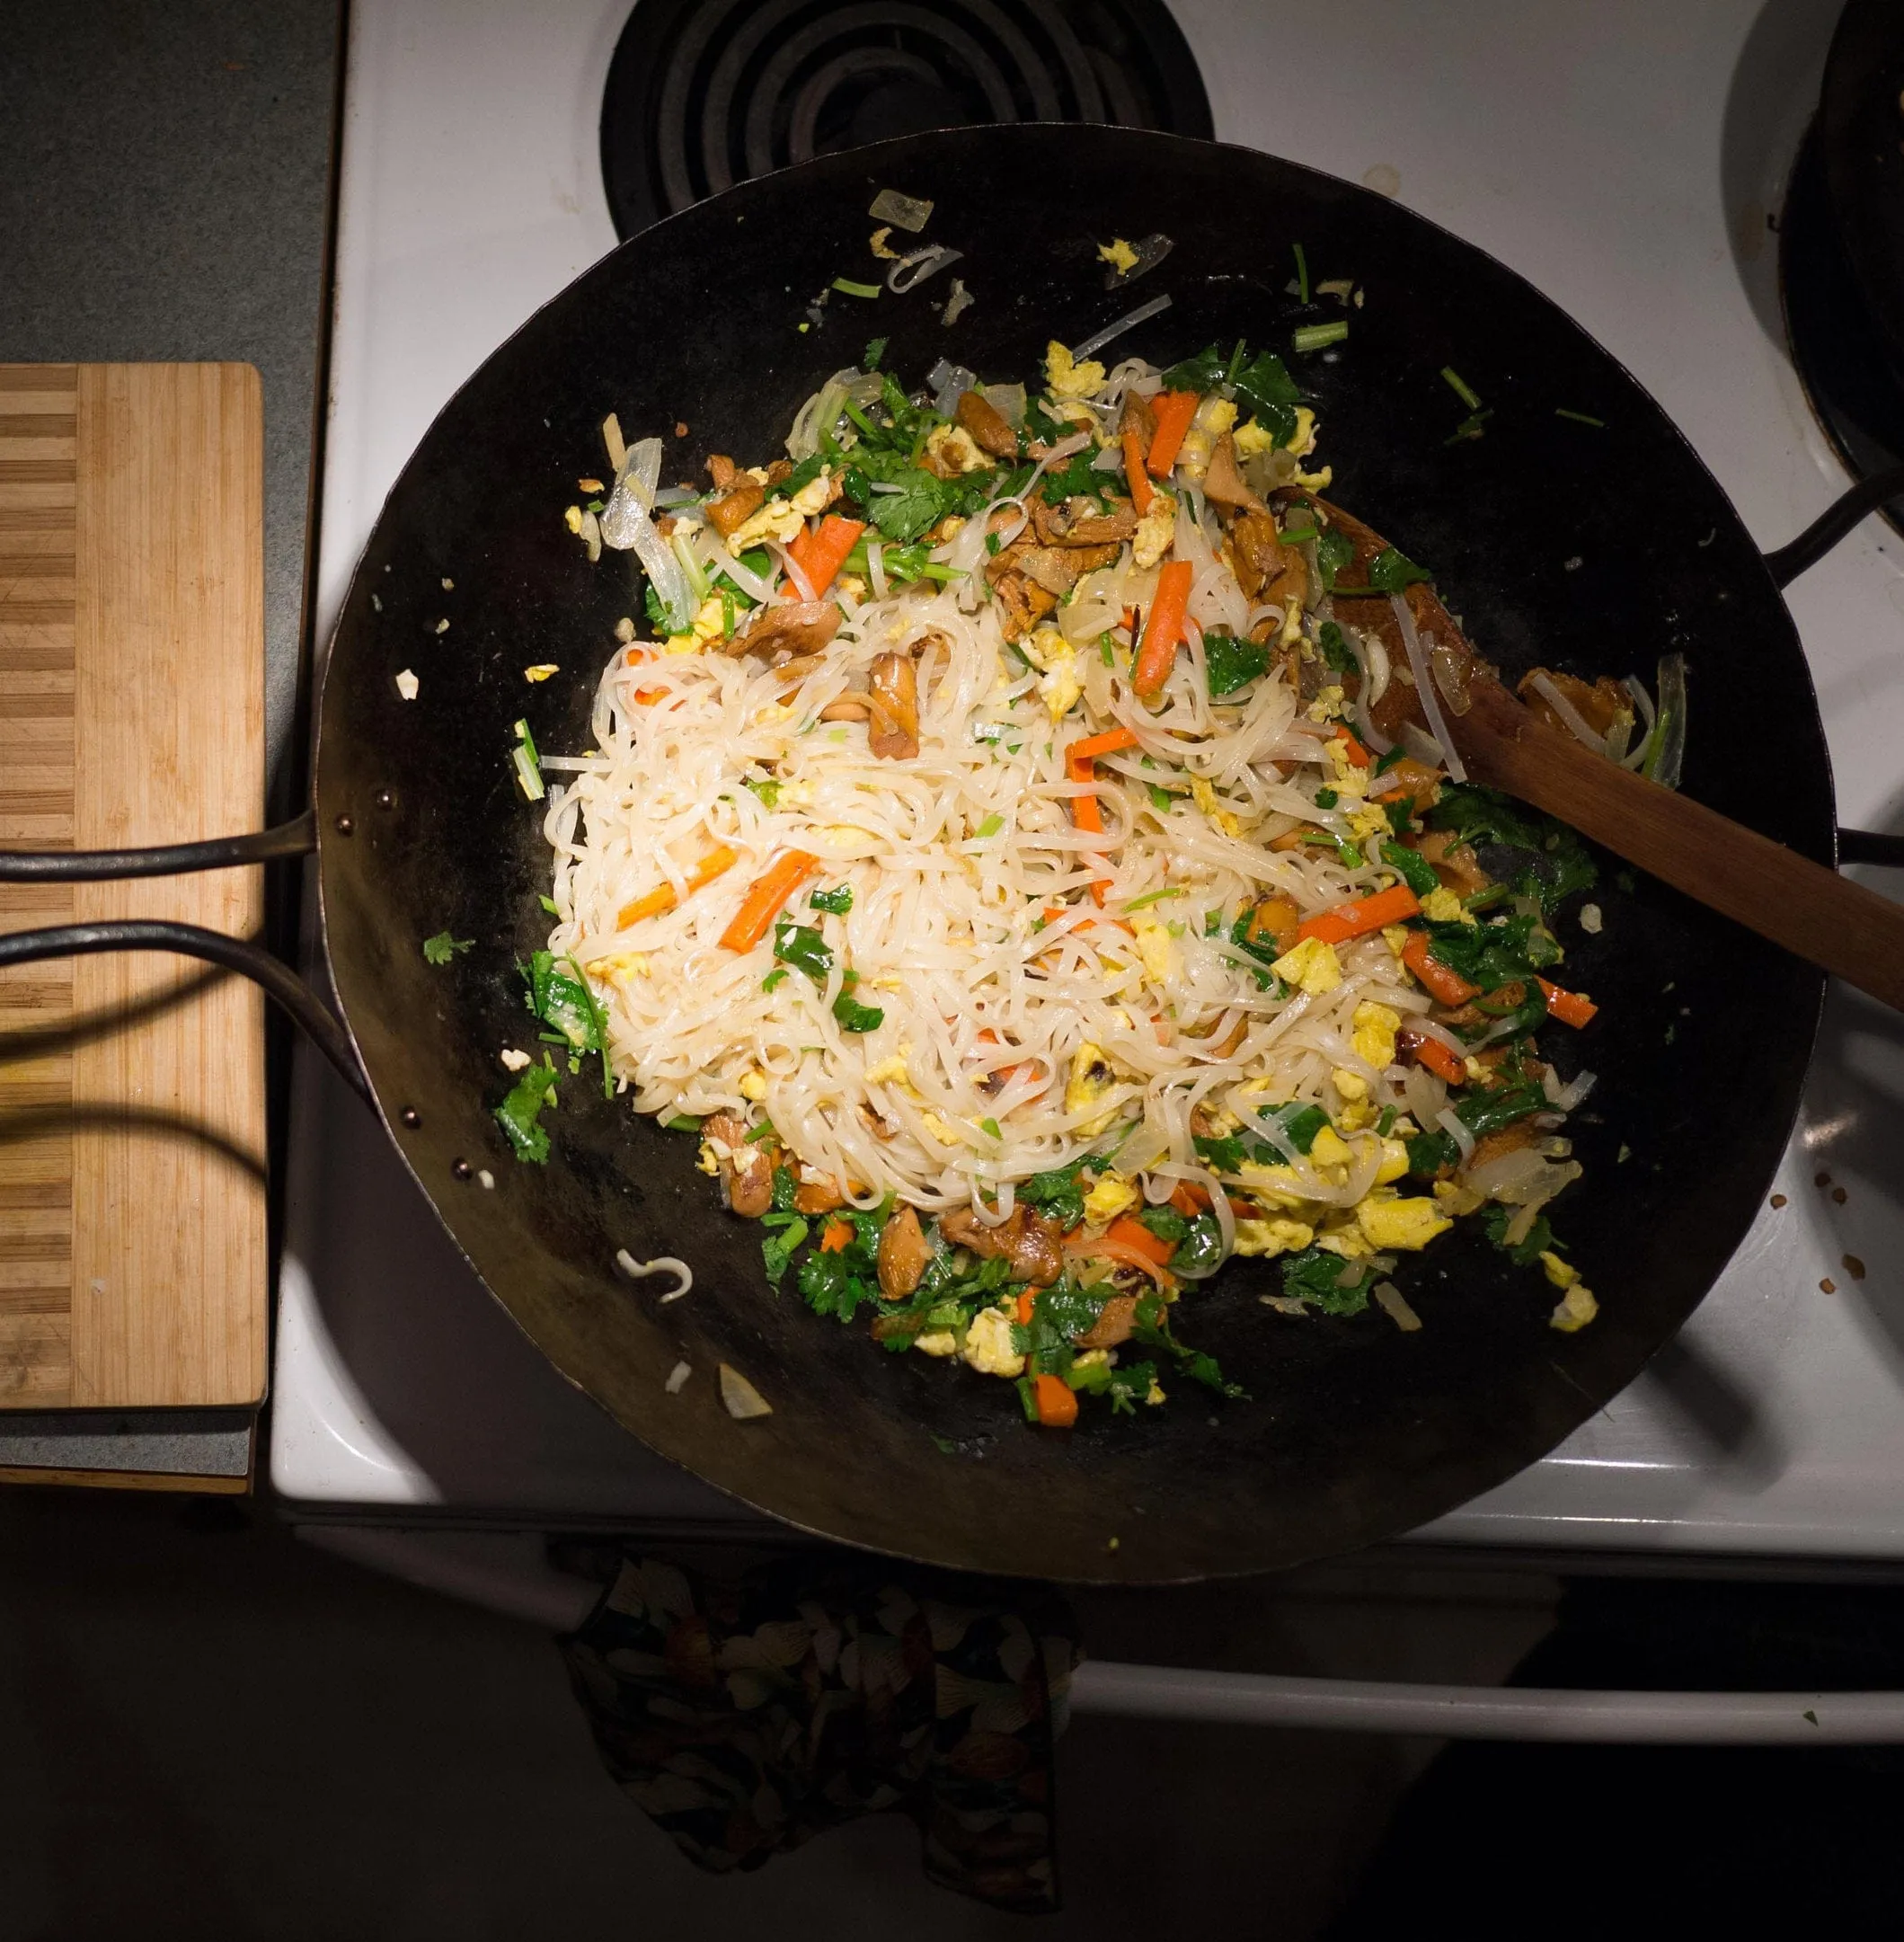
x=1810 y=911
x=298 y=837
x=281 y=983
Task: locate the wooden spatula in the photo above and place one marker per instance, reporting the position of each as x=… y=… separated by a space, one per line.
x=1813 y=913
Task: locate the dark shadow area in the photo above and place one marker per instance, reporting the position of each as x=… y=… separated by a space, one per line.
x=47 y=1041
x=39 y=1122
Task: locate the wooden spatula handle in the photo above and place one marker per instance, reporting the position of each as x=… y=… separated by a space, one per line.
x=1813 y=913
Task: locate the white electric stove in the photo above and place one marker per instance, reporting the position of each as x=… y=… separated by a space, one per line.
x=1625 y=158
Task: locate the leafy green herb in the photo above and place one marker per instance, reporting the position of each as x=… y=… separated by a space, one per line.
x=854 y=1017
x=774 y=977
x=1327 y=798
x=1201 y=1247
x=1263 y=384
x=563 y=1002
x=786 y=1184
x=919 y=505
x=1059 y=1194
x=1489 y=1112
x=802 y=946
x=1413 y=869
x=1557 y=864
x=786 y=1234
x=767 y=790
x=1430 y=1153
x=1326 y=1280
x=876 y=351
x=1390 y=571
x=1078 y=474
x=1400 y=814
x=1165 y=1222
x=1384 y=763
x=1060 y=1314
x=838 y=900
x=520 y=1114
x=1227 y=1152
x=1232 y=663
x=1489 y=955
x=1474 y=426
x=1151 y=1327
x=441 y=948
x=1333 y=551
x=1524 y=1253
x=802 y=475
x=1263 y=949
x=1336 y=650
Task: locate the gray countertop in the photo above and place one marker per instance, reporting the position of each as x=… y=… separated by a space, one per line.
x=164 y=194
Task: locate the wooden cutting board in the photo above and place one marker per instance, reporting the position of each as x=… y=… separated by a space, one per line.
x=132 y=1112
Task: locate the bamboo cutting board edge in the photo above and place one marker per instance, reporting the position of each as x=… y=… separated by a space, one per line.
x=132 y=1259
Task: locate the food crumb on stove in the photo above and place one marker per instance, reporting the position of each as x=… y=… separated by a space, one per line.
x=442 y=626
x=485 y=1180
x=513 y=1060
x=1828 y=1285
x=744 y=1402
x=1839 y=1196
x=572 y=518
x=588 y=485
x=1112 y=1545
x=680 y=428
x=1589 y=918
x=624 y=630
x=541 y=672
x=407 y=684
x=1572 y=566
x=1779 y=1200
x=376 y=603
x=1625 y=1153
x=1853 y=1267
x=450 y=586
x=1821 y=1180
x=678 y=1377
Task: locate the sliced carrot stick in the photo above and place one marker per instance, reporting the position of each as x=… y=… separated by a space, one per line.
x=720 y=858
x=1087 y=814
x=1134 y=1234
x=822 y=551
x=1356 y=919
x=1026 y=1299
x=835 y=1237
x=1174 y=410
x=1358 y=754
x=1094 y=746
x=1438 y=1060
x=1188 y=1199
x=1164 y=627
x=1057 y=1402
x=1570 y=1008
x=1449 y=986
x=1141 y=491
x=763 y=901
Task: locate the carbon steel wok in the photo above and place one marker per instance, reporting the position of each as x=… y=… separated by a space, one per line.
x=1596 y=548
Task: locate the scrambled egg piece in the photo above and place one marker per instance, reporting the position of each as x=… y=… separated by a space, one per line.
x=1067 y=377
x=782 y=518
x=947 y=1136
x=1396 y=936
x=1276 y=1235
x=1312 y=966
x=753 y=1085
x=1044 y=645
x=619 y=965
x=1156 y=529
x=541 y=672
x=1342 y=1236
x=988 y=1344
x=1303 y=442
x=1351 y=1085
x=710 y=625
x=1372 y=1034
x=1118 y=254
x=1574 y=1309
x=1330 y=1148
x=1091 y=1078
x=952 y=445
x=1215 y=416
x=1253 y=440
x=1327 y=706
x=512 y=1060
x=1206 y=799
x=1157 y=947
x=1059 y=686
x=1393 y=1224
x=1394 y=1162
x=572 y=518
x=1441 y=906
x=1111 y=1196
x=1368 y=824
x=1349 y=780
x=1458 y=1199
x=708 y=1161
x=1316 y=482
x=880 y=247
x=939 y=1342
x=890 y=1071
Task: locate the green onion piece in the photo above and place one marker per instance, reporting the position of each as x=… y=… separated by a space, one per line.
x=765 y=1130
x=1580 y=418
x=1461 y=388
x=552 y=907
x=847 y=287
x=527 y=772
x=1160 y=799
x=1318 y=336
x=991 y=826
x=682 y=1122
x=1155 y=896
x=1326 y=798
x=1302 y=277
x=991 y=1127
x=1103 y=647
x=1292 y=535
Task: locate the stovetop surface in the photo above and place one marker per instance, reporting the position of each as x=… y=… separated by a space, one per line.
x=1628 y=160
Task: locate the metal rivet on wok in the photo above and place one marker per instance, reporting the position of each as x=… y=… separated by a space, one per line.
x=384 y=798
x=345 y=826
x=411 y=1116
x=461 y=1169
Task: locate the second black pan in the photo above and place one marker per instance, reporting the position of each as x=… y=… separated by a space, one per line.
x=1594 y=548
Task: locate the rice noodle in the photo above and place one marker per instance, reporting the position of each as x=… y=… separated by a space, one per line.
x=1129 y=321
x=1451 y=1123
x=1569 y=715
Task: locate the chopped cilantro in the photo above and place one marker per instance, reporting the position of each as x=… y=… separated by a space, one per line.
x=1165 y=1222
x=1413 y=869
x=786 y=1233
x=520 y=1114
x=1390 y=571
x=1326 y=798
x=774 y=977
x=1333 y=551
x=1324 y=1280
x=1232 y=663
x=802 y=946
x=838 y=900
x=876 y=351
x=854 y=1017
x=441 y=948
x=1525 y=1252
x=1201 y=1247
x=1058 y=1193
x=1336 y=650
x=767 y=790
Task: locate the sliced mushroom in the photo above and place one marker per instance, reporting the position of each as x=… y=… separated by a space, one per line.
x=818 y=1197
x=848 y=707
x=1223 y=482
x=804 y=625
x=798 y=668
x=904 y=1253
x=1258 y=552
x=1115 y=1322
x=734 y=507
x=895 y=733
x=1453 y=861
x=746 y=1174
x=1032 y=1244
x=1137 y=416
x=986 y=424
x=723 y=471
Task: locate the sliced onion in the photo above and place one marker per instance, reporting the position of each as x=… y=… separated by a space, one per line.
x=1367 y=732
x=644 y=468
x=920 y=264
x=1667 y=751
x=1425 y=1094
x=795 y=572
x=1128 y=320
x=1450 y=676
x=626 y=527
x=876 y=568
x=1421 y=747
x=1425 y=687
x=1450 y=1122
x=1007 y=400
x=1569 y=715
x=1565 y=1098
x=946 y=381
